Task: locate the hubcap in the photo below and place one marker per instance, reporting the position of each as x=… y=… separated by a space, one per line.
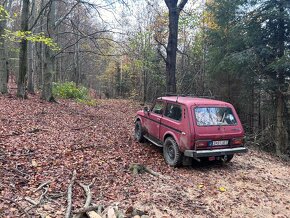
x=171 y=152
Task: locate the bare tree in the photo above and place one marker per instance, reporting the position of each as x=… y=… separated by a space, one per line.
x=21 y=82
x=3 y=66
x=174 y=11
x=31 y=70
x=49 y=57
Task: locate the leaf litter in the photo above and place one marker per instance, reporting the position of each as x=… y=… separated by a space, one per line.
x=43 y=142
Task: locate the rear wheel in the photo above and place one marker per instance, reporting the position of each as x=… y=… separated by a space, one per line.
x=139 y=132
x=171 y=153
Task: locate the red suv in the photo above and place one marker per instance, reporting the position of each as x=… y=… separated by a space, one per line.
x=191 y=127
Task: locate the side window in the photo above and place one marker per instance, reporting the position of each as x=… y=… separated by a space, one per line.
x=173 y=111
x=158 y=107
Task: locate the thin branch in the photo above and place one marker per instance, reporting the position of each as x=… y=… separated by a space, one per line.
x=17 y=205
x=35 y=204
x=39 y=15
x=181 y=5
x=65 y=16
x=87 y=189
x=69 y=195
x=42 y=185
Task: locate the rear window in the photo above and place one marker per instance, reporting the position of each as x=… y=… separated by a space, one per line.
x=214 y=116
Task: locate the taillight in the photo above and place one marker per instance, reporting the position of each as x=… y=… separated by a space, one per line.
x=199 y=144
x=238 y=141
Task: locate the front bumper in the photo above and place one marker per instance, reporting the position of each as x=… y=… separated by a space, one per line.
x=215 y=152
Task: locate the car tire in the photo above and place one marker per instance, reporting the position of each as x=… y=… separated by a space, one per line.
x=171 y=153
x=139 y=136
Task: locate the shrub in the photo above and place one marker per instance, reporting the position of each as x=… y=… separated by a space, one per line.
x=69 y=90
x=89 y=102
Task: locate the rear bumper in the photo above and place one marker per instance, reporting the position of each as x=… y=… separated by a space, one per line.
x=216 y=152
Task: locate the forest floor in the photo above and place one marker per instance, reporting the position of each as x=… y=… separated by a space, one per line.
x=45 y=142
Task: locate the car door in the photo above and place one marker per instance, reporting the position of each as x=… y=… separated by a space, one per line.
x=172 y=121
x=153 y=119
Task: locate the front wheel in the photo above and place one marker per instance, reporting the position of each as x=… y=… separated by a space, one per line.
x=171 y=153
x=139 y=132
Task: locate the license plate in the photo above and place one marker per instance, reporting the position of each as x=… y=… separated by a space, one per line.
x=223 y=142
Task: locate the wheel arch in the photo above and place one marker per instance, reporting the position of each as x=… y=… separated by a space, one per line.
x=170 y=134
x=138 y=118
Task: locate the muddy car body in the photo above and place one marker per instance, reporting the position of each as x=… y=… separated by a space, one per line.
x=191 y=127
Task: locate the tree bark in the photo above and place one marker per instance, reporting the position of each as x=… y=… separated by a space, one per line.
x=282 y=137
x=3 y=65
x=281 y=125
x=21 y=82
x=39 y=52
x=174 y=11
x=30 y=84
x=31 y=68
x=49 y=57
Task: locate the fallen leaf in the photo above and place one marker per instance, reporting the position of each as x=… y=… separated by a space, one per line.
x=34 y=163
x=222 y=189
x=200 y=186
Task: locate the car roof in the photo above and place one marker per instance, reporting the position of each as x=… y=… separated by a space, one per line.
x=189 y=101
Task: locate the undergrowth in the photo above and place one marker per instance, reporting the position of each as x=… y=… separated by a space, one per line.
x=69 y=90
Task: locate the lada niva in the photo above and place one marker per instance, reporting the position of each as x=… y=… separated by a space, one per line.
x=190 y=127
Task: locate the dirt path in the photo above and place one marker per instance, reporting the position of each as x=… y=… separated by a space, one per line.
x=42 y=142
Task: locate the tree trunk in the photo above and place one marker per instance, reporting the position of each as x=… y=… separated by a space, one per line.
x=31 y=63
x=281 y=125
x=49 y=57
x=282 y=140
x=30 y=84
x=21 y=83
x=174 y=11
x=3 y=65
x=171 y=50
x=39 y=52
x=38 y=66
x=46 y=93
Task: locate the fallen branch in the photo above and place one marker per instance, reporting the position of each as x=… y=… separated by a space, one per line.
x=35 y=204
x=21 y=172
x=87 y=189
x=30 y=200
x=17 y=205
x=69 y=195
x=139 y=169
x=34 y=130
x=42 y=185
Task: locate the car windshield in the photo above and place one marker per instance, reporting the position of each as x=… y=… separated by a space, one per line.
x=214 y=116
